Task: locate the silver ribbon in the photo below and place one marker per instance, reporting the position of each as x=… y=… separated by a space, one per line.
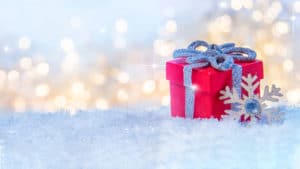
x=220 y=57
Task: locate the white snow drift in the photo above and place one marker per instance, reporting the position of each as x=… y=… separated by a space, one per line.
x=135 y=139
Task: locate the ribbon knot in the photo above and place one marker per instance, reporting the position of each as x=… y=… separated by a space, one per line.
x=220 y=57
x=215 y=47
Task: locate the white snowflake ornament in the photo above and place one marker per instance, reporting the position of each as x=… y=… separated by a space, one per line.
x=252 y=105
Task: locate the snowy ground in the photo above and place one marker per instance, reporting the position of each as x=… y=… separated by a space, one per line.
x=135 y=139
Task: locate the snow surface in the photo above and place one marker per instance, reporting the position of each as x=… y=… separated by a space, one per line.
x=138 y=139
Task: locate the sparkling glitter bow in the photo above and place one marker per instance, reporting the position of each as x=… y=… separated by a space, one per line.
x=220 y=57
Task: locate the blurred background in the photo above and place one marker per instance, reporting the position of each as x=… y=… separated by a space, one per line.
x=68 y=55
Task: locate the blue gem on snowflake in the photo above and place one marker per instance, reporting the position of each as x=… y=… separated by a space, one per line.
x=252 y=105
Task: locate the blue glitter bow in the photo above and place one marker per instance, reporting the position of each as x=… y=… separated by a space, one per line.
x=220 y=57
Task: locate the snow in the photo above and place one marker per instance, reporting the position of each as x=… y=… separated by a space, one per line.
x=139 y=139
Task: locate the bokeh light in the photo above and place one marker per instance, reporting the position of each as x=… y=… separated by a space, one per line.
x=297 y=6
x=13 y=75
x=149 y=86
x=121 y=25
x=25 y=63
x=101 y=104
x=24 y=43
x=42 y=68
x=171 y=26
x=42 y=90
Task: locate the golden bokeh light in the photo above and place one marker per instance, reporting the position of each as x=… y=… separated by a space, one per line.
x=163 y=48
x=25 y=63
x=165 y=101
x=248 y=4
x=3 y=78
x=77 y=89
x=70 y=62
x=24 y=43
x=236 y=4
x=272 y=12
x=149 y=86
x=13 y=75
x=67 y=44
x=280 y=28
x=269 y=49
x=123 y=77
x=98 y=78
x=42 y=68
x=257 y=16
x=288 y=65
x=223 y=4
x=122 y=95
x=221 y=24
x=101 y=104
x=19 y=104
x=42 y=90
x=60 y=101
x=171 y=26
x=293 y=96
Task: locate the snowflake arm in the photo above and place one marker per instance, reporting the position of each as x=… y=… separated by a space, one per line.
x=250 y=86
x=231 y=97
x=271 y=95
x=232 y=115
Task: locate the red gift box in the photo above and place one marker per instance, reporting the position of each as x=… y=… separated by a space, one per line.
x=208 y=83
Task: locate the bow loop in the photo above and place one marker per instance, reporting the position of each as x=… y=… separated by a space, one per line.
x=197 y=58
x=227 y=45
x=241 y=54
x=185 y=53
x=197 y=44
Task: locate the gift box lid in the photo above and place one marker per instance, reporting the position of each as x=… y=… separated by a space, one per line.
x=208 y=78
